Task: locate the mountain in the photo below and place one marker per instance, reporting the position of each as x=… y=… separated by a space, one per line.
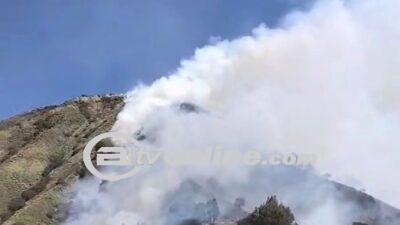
x=41 y=158
x=41 y=155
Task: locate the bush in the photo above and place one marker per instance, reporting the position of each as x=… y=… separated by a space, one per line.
x=270 y=213
x=16 y=203
x=84 y=109
x=12 y=150
x=35 y=189
x=28 y=194
x=55 y=161
x=43 y=124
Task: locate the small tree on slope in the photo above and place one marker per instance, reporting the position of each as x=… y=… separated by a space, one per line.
x=270 y=213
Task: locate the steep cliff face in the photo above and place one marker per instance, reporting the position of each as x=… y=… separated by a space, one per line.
x=40 y=154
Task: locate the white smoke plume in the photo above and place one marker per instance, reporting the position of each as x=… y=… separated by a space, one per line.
x=325 y=82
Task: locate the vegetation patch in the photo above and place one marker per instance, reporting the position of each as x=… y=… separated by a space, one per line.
x=270 y=213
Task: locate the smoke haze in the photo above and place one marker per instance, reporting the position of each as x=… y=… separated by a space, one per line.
x=325 y=83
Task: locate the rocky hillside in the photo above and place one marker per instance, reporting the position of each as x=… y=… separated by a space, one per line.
x=40 y=154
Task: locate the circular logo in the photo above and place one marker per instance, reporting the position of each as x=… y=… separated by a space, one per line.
x=117 y=156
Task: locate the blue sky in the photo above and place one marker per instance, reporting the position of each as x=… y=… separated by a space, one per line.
x=55 y=50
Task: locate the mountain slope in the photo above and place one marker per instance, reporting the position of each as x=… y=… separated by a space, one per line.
x=40 y=154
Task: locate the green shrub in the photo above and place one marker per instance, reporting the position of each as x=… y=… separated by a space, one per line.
x=270 y=213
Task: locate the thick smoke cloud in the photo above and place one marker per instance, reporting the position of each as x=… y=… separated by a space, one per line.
x=326 y=82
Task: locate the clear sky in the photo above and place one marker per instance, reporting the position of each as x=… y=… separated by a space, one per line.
x=55 y=50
